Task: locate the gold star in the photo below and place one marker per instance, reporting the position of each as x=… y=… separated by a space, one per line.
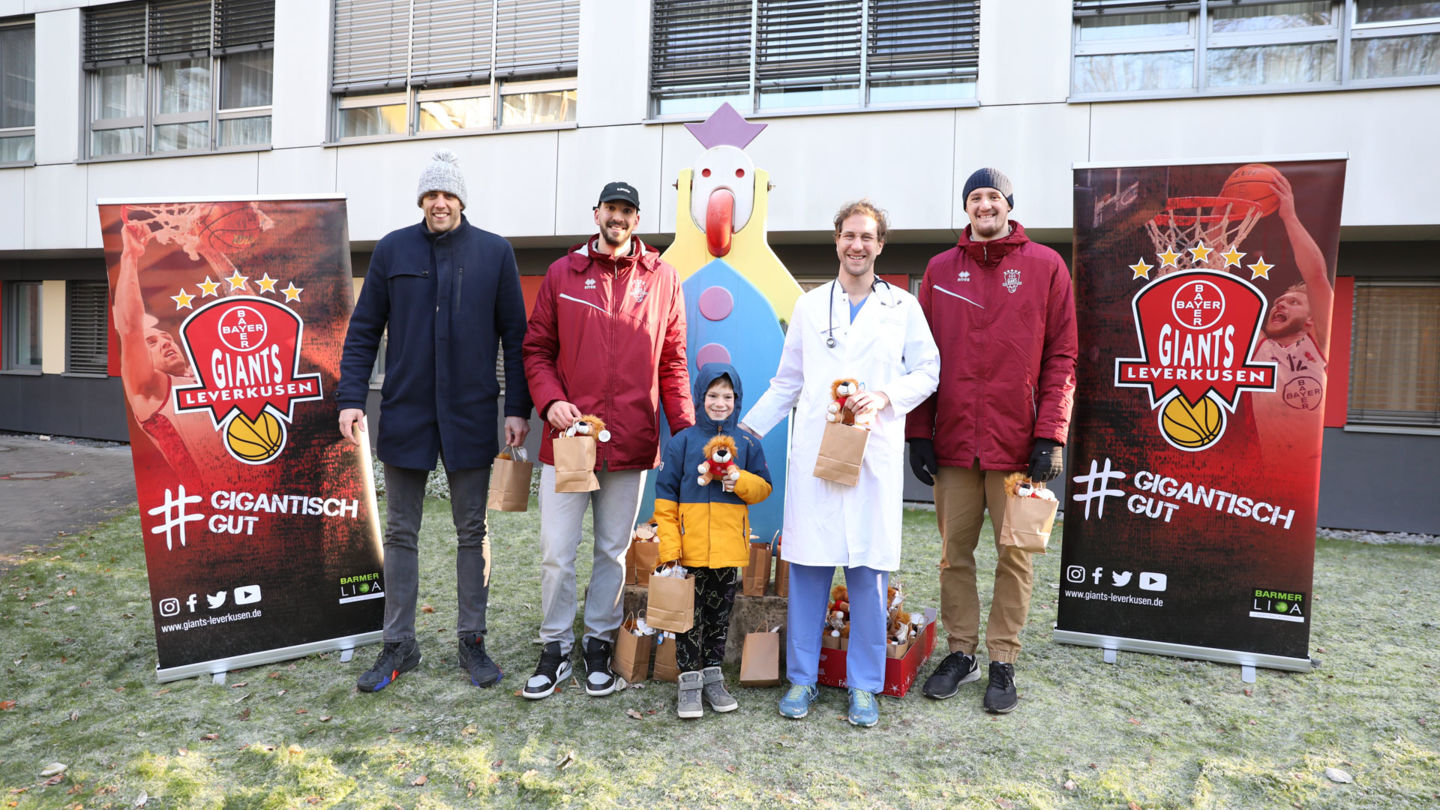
x=237 y=281
x=1141 y=269
x=292 y=293
x=266 y=283
x=1168 y=258
x=1200 y=253
x=1260 y=270
x=182 y=301
x=1232 y=257
x=209 y=287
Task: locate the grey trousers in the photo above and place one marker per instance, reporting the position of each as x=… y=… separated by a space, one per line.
x=615 y=505
x=405 y=499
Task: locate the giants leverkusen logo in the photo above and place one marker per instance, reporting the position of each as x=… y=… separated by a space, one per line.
x=245 y=352
x=1197 y=330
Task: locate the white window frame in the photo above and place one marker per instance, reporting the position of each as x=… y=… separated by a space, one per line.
x=412 y=93
x=17 y=133
x=151 y=67
x=1343 y=31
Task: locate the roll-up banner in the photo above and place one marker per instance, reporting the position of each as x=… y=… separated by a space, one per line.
x=261 y=534
x=1203 y=295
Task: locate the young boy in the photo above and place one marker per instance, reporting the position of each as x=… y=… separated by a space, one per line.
x=707 y=529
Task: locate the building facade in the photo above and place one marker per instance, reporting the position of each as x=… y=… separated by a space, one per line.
x=547 y=100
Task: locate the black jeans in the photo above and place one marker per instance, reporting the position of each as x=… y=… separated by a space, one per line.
x=704 y=645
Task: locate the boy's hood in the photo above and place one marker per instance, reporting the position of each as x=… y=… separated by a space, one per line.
x=708 y=374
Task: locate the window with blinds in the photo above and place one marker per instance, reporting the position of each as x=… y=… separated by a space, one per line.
x=777 y=54
x=151 y=71
x=1395 y=355
x=403 y=67
x=1138 y=48
x=85 y=327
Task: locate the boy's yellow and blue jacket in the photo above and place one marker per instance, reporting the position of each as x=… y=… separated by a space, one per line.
x=707 y=527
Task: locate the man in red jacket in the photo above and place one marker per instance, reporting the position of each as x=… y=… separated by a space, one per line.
x=1002 y=313
x=606 y=338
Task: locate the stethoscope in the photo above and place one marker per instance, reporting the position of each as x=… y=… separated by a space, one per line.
x=830 y=332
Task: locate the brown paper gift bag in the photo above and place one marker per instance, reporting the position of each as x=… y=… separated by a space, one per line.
x=510 y=481
x=757 y=573
x=760 y=659
x=782 y=573
x=640 y=561
x=632 y=652
x=665 y=667
x=1028 y=522
x=575 y=464
x=672 y=603
x=644 y=532
x=842 y=450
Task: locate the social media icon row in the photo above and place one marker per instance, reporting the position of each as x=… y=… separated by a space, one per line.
x=1149 y=580
x=243 y=595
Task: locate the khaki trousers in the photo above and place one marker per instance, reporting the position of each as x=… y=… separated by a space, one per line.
x=961 y=498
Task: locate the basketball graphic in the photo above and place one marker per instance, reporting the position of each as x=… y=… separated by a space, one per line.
x=255 y=442
x=1254 y=181
x=231 y=227
x=1192 y=427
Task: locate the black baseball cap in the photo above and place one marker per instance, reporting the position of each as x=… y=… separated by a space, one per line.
x=619 y=190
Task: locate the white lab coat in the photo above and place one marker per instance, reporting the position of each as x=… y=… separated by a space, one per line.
x=888 y=349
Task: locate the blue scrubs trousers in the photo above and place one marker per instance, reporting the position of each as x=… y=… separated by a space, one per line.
x=809 y=597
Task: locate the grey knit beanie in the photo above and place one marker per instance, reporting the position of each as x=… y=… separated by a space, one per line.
x=990 y=178
x=442 y=174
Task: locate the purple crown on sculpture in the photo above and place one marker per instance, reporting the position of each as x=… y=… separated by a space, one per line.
x=725 y=127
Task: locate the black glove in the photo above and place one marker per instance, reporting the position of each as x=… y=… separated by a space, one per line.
x=922 y=461
x=1045 y=460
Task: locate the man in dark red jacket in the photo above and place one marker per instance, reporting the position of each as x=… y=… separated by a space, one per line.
x=1002 y=313
x=606 y=338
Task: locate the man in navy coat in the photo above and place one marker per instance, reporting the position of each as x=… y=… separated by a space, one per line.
x=450 y=295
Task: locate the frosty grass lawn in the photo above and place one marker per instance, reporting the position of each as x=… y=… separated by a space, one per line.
x=78 y=688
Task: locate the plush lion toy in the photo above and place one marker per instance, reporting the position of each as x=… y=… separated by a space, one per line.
x=589 y=425
x=719 y=461
x=840 y=391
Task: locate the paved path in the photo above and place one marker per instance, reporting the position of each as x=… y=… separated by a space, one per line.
x=53 y=488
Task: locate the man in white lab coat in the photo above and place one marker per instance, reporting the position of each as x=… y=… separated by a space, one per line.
x=863 y=328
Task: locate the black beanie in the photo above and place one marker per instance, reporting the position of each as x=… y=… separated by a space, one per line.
x=990 y=178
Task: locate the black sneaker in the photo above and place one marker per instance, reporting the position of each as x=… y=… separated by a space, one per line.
x=395 y=657
x=554 y=667
x=944 y=682
x=483 y=671
x=599 y=680
x=1000 y=695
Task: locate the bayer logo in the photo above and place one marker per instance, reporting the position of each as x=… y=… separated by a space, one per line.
x=242 y=328
x=1198 y=304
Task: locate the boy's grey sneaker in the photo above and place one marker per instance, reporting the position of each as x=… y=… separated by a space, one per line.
x=554 y=667
x=944 y=682
x=714 y=691
x=483 y=671
x=1000 y=696
x=599 y=680
x=395 y=657
x=688 y=705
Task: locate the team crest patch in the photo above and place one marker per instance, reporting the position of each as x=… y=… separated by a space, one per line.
x=245 y=352
x=1012 y=280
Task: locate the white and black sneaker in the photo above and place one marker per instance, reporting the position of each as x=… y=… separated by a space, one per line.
x=599 y=680
x=957 y=668
x=554 y=667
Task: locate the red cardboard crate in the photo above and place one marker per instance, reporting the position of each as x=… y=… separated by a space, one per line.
x=899 y=672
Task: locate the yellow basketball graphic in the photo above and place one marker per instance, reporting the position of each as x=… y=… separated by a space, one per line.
x=255 y=442
x=1192 y=427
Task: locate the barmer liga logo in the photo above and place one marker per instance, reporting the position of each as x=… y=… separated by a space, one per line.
x=245 y=351
x=1197 y=332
